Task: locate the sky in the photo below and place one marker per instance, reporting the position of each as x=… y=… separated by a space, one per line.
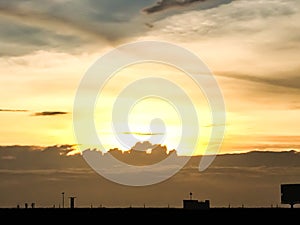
x=250 y=49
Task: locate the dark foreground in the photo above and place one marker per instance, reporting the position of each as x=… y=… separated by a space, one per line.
x=146 y=215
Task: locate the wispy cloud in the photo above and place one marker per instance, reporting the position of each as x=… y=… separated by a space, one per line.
x=43 y=113
x=293 y=81
x=49 y=113
x=143 y=133
x=13 y=110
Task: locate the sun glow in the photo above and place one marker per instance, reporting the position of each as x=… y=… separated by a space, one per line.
x=152 y=118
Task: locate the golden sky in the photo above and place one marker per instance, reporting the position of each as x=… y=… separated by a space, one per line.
x=251 y=47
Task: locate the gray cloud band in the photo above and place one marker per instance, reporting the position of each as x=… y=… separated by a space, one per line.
x=162 y=5
x=141 y=52
x=165 y=4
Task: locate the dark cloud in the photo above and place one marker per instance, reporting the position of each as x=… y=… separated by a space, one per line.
x=42 y=173
x=50 y=113
x=259 y=159
x=38 y=158
x=61 y=25
x=13 y=110
x=166 y=4
x=142 y=153
x=44 y=113
x=163 y=5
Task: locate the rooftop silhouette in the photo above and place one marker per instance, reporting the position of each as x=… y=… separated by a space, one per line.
x=290 y=194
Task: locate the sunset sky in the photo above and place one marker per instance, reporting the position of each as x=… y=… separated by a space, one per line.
x=251 y=47
x=47 y=47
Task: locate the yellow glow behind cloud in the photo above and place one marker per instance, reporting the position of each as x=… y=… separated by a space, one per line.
x=151 y=108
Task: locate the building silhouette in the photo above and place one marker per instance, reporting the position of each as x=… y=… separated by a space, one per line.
x=290 y=194
x=195 y=204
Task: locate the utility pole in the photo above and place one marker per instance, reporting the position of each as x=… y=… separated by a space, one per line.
x=72 y=202
x=63 y=199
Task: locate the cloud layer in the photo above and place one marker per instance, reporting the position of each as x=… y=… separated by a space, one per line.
x=74 y=27
x=43 y=172
x=50 y=113
x=66 y=26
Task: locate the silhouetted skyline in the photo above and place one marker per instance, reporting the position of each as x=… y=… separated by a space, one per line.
x=251 y=179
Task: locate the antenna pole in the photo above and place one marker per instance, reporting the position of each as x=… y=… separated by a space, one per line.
x=63 y=199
